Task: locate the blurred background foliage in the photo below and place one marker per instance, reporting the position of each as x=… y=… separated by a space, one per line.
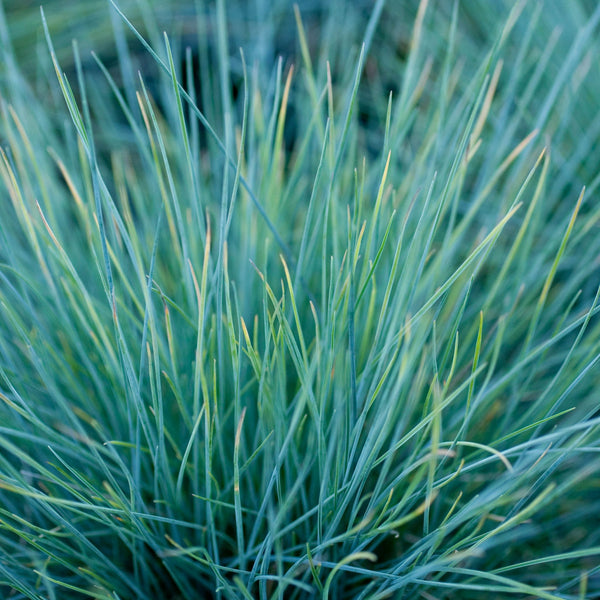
x=546 y=31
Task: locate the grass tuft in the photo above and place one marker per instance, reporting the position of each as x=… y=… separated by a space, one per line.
x=316 y=318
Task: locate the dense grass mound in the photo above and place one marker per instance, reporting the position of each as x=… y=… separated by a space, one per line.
x=316 y=318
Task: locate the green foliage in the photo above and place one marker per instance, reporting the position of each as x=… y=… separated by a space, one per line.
x=322 y=325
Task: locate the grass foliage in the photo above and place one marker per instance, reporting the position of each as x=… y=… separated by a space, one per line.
x=322 y=325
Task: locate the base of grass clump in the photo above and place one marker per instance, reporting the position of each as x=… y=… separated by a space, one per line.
x=271 y=331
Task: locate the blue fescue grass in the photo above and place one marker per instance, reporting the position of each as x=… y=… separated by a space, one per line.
x=271 y=330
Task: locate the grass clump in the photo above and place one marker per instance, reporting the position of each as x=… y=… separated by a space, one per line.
x=270 y=330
